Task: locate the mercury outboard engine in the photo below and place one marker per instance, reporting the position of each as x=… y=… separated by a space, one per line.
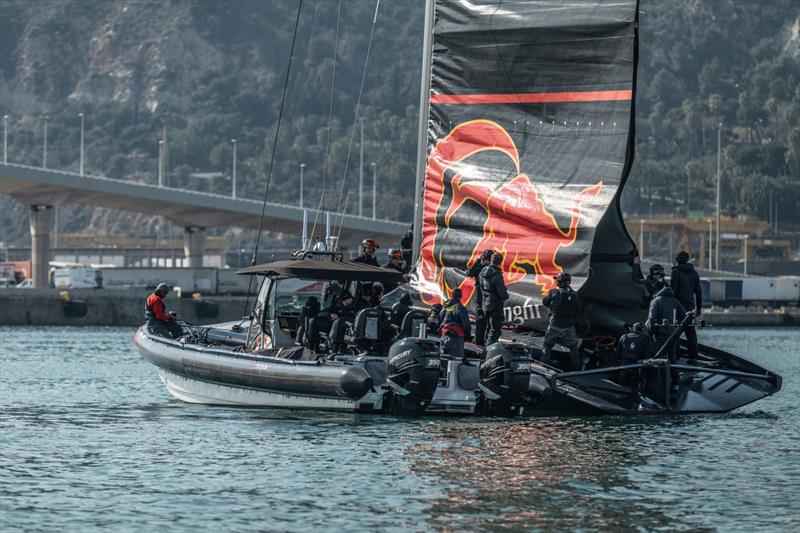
x=505 y=379
x=413 y=375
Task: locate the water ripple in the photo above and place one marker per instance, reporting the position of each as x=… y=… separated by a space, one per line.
x=90 y=440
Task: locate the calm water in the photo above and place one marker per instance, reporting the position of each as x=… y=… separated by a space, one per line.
x=91 y=440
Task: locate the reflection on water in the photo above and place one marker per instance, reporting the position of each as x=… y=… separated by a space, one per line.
x=560 y=473
x=91 y=440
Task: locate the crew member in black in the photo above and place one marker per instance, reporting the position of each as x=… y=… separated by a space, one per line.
x=345 y=312
x=156 y=316
x=454 y=326
x=654 y=281
x=322 y=322
x=400 y=309
x=634 y=345
x=364 y=300
x=368 y=247
x=406 y=242
x=395 y=262
x=666 y=312
x=685 y=283
x=494 y=294
x=565 y=308
x=480 y=316
x=378 y=290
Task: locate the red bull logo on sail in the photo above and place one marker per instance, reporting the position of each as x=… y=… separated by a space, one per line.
x=517 y=222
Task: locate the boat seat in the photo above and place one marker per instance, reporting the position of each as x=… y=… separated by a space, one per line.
x=368 y=330
x=412 y=322
x=336 y=335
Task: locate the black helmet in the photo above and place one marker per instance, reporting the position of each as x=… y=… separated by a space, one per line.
x=394 y=253
x=638 y=328
x=162 y=289
x=563 y=279
x=656 y=269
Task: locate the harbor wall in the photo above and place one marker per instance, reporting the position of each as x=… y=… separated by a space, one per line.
x=108 y=307
x=125 y=307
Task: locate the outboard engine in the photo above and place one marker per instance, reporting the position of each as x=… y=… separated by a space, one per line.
x=505 y=379
x=413 y=375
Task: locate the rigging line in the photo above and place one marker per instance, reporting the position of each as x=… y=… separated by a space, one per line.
x=330 y=117
x=355 y=119
x=274 y=147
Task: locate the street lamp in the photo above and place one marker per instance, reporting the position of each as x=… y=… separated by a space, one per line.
x=361 y=172
x=5 y=138
x=233 y=173
x=81 y=164
x=745 y=254
x=160 y=163
x=374 y=189
x=719 y=151
x=302 y=167
x=44 y=150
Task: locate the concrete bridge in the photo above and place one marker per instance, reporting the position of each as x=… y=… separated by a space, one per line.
x=41 y=189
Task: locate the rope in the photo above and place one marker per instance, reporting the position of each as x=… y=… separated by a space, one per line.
x=274 y=147
x=330 y=119
x=355 y=119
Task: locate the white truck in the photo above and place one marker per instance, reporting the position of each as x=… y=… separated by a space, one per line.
x=77 y=277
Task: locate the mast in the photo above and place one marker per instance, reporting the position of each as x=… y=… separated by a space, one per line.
x=422 y=135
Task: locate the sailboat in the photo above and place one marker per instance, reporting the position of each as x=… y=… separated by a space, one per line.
x=527 y=146
x=526 y=140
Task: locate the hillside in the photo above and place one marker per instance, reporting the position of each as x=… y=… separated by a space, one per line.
x=213 y=71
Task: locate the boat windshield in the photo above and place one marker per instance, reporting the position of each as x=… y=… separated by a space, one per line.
x=290 y=295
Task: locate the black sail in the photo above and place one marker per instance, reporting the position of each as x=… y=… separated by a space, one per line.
x=529 y=144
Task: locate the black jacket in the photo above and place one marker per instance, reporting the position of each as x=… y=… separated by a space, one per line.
x=664 y=307
x=367 y=260
x=565 y=307
x=685 y=283
x=474 y=272
x=653 y=286
x=634 y=346
x=493 y=289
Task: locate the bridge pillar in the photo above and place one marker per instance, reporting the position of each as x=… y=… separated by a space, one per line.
x=41 y=222
x=194 y=246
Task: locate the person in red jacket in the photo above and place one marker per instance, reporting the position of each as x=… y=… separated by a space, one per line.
x=158 y=320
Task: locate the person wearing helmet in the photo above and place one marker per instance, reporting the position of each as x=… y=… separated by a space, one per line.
x=494 y=294
x=157 y=318
x=395 y=262
x=480 y=315
x=368 y=247
x=654 y=281
x=634 y=345
x=565 y=309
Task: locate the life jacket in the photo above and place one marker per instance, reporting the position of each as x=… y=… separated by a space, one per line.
x=454 y=316
x=154 y=309
x=564 y=308
x=634 y=346
x=492 y=299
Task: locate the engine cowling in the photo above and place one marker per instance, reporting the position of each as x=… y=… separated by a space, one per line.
x=413 y=375
x=505 y=379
